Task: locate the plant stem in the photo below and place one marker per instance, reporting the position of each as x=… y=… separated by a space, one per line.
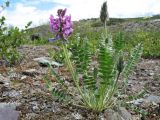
x=74 y=76
x=114 y=86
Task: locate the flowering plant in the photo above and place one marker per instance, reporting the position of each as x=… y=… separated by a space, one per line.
x=96 y=80
x=61 y=26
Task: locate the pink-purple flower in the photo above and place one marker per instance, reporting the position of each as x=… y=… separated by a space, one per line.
x=62 y=26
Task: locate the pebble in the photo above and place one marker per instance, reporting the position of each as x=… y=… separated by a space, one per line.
x=12 y=93
x=136 y=102
x=111 y=115
x=43 y=61
x=29 y=72
x=23 y=77
x=5 y=81
x=124 y=113
x=153 y=98
x=35 y=108
x=119 y=114
x=77 y=116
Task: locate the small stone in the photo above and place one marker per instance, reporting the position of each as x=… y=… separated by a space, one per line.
x=35 y=108
x=14 y=75
x=8 y=114
x=153 y=98
x=43 y=61
x=77 y=116
x=36 y=83
x=124 y=113
x=23 y=77
x=34 y=99
x=133 y=77
x=5 y=81
x=137 y=102
x=151 y=74
x=30 y=72
x=12 y=93
x=111 y=115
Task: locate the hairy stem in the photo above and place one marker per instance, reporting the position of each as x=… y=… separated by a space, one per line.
x=70 y=67
x=114 y=87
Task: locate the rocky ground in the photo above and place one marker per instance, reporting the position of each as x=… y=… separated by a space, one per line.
x=146 y=25
x=23 y=92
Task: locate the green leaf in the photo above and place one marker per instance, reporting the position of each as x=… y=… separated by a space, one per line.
x=105 y=61
x=119 y=42
x=81 y=55
x=89 y=82
x=60 y=95
x=134 y=57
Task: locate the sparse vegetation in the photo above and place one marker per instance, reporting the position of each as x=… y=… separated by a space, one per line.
x=146 y=35
x=88 y=70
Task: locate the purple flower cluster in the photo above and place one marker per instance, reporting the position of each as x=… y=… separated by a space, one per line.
x=61 y=26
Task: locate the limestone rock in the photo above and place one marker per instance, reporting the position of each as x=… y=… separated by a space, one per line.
x=43 y=61
x=8 y=114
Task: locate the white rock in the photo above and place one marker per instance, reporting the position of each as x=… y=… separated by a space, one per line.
x=23 y=77
x=136 y=102
x=46 y=60
x=77 y=116
x=153 y=98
